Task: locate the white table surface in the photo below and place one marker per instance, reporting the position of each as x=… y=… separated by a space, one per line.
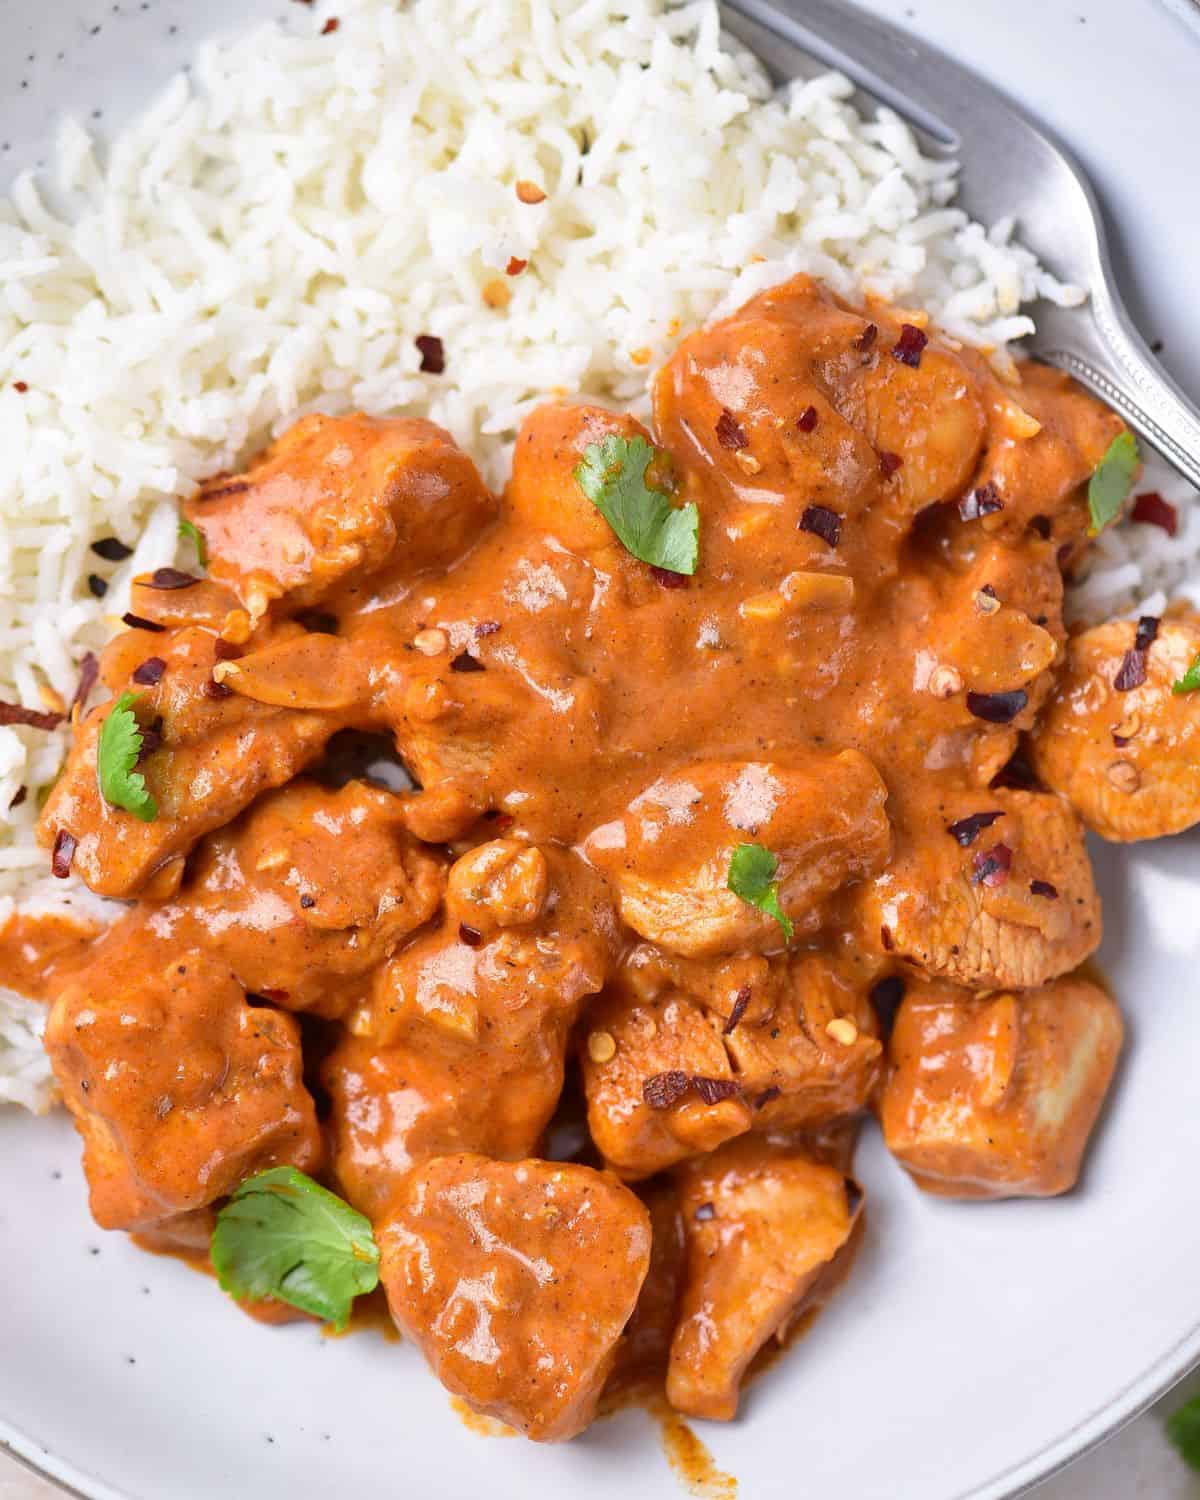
x=1137 y=1464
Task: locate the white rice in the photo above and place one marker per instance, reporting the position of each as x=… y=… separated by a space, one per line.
x=272 y=237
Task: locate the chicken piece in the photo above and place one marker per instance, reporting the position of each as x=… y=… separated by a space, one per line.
x=334 y=500
x=1127 y=760
x=1046 y=437
x=515 y=1280
x=217 y=754
x=394 y=1107
x=308 y=894
x=995 y=1096
x=179 y=1088
x=1010 y=904
x=763 y=1225
x=884 y=439
x=813 y=1054
x=821 y=816
x=658 y=1082
x=543 y=493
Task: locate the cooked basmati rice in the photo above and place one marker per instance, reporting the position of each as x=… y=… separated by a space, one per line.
x=275 y=232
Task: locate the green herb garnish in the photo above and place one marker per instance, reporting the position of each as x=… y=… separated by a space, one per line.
x=752 y=873
x=1190 y=681
x=117 y=755
x=283 y=1235
x=190 y=532
x=613 y=477
x=1183 y=1428
x=1110 y=484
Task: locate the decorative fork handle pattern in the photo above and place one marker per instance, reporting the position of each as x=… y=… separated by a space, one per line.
x=1099 y=346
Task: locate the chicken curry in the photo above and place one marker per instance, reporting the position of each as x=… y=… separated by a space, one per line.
x=750 y=762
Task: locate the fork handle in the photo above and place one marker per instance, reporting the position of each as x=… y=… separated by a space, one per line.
x=1098 y=344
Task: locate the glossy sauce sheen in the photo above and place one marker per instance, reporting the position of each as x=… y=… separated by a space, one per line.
x=874 y=623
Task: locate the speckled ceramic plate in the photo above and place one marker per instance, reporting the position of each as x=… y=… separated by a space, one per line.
x=976 y=1347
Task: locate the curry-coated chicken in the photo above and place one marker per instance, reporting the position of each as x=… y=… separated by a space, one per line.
x=994 y=1096
x=515 y=1280
x=1120 y=740
x=179 y=1087
x=675 y=834
x=762 y=1223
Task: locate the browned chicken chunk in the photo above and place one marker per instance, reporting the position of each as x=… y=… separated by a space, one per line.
x=333 y=500
x=179 y=1088
x=1009 y=904
x=823 y=818
x=1116 y=740
x=308 y=894
x=762 y=1224
x=515 y=1280
x=995 y=1096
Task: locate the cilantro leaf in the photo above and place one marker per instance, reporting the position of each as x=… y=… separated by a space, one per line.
x=752 y=871
x=613 y=477
x=1190 y=681
x=1110 y=484
x=190 y=532
x=117 y=755
x=282 y=1235
x=1183 y=1428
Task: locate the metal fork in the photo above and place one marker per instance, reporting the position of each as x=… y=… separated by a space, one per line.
x=1010 y=166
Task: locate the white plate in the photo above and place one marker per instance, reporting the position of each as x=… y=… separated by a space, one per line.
x=976 y=1347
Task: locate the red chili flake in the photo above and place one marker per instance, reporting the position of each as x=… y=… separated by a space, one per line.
x=65 y=845
x=20 y=387
x=1153 y=510
x=767 y=1096
x=137 y=622
x=465 y=662
x=666 y=579
x=1042 y=525
x=215 y=689
x=704 y=1213
x=172 y=578
x=997 y=708
x=97 y=586
x=886 y=995
x=740 y=1001
x=89 y=672
x=885 y=937
x=330 y=26
x=807 y=420
x=889 y=463
x=713 y=1090
x=150 y=673
x=470 y=935
x=308 y=902
x=318 y=621
x=866 y=339
x=486 y=628
x=275 y=997
x=910 y=345
x=983 y=501
x=967 y=830
x=22 y=793
x=515 y=266
x=1132 y=671
x=822 y=522
x=1044 y=888
x=29 y=718
x=220 y=491
x=433 y=353
x=991 y=866
x=730 y=432
x=111 y=550
x=224 y=650
x=663 y=1090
